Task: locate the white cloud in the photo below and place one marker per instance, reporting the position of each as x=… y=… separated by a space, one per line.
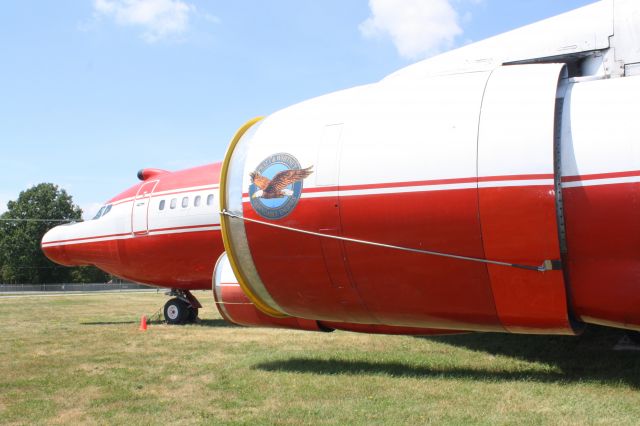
x=159 y=19
x=418 y=28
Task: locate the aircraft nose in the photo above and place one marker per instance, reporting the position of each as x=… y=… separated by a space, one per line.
x=52 y=245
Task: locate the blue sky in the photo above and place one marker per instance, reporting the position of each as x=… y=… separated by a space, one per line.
x=93 y=90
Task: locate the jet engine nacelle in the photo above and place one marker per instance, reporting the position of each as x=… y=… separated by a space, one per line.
x=495 y=200
x=235 y=307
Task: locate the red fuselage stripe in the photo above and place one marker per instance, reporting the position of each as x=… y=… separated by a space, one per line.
x=425 y=183
x=578 y=178
x=87 y=238
x=177 y=228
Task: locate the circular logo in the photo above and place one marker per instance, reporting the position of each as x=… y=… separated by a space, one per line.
x=276 y=185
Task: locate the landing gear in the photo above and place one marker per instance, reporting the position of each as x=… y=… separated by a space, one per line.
x=175 y=311
x=182 y=308
x=192 y=315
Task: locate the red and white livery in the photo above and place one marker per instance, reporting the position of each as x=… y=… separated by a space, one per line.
x=491 y=188
x=164 y=231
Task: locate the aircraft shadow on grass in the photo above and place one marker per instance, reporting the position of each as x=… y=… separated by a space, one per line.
x=569 y=359
x=216 y=323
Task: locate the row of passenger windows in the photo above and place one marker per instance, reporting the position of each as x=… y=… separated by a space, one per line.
x=197 y=201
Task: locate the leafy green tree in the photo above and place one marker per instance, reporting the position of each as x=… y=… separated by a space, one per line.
x=36 y=210
x=88 y=274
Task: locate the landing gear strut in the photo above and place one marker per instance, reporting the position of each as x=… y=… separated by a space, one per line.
x=182 y=308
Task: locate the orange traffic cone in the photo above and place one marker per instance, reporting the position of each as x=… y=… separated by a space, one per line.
x=143 y=323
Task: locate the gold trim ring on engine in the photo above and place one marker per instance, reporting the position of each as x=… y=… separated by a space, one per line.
x=232 y=252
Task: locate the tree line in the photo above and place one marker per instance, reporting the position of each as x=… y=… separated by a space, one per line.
x=26 y=220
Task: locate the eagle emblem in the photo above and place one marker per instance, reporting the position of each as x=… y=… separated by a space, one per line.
x=276 y=185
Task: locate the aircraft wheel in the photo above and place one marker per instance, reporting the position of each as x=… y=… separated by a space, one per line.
x=634 y=336
x=192 y=315
x=175 y=311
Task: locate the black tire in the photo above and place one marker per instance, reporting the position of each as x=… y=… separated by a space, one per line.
x=175 y=311
x=634 y=336
x=192 y=315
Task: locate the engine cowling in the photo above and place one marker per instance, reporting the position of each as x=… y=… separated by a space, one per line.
x=235 y=307
x=458 y=201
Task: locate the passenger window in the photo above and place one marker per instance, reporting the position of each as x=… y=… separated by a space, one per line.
x=185 y=202
x=210 y=199
x=162 y=205
x=174 y=202
x=196 y=201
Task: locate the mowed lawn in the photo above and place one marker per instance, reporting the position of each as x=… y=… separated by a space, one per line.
x=82 y=359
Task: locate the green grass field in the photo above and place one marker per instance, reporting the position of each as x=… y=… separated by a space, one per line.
x=82 y=359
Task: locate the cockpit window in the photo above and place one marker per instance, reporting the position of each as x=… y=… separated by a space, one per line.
x=102 y=212
x=99 y=214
